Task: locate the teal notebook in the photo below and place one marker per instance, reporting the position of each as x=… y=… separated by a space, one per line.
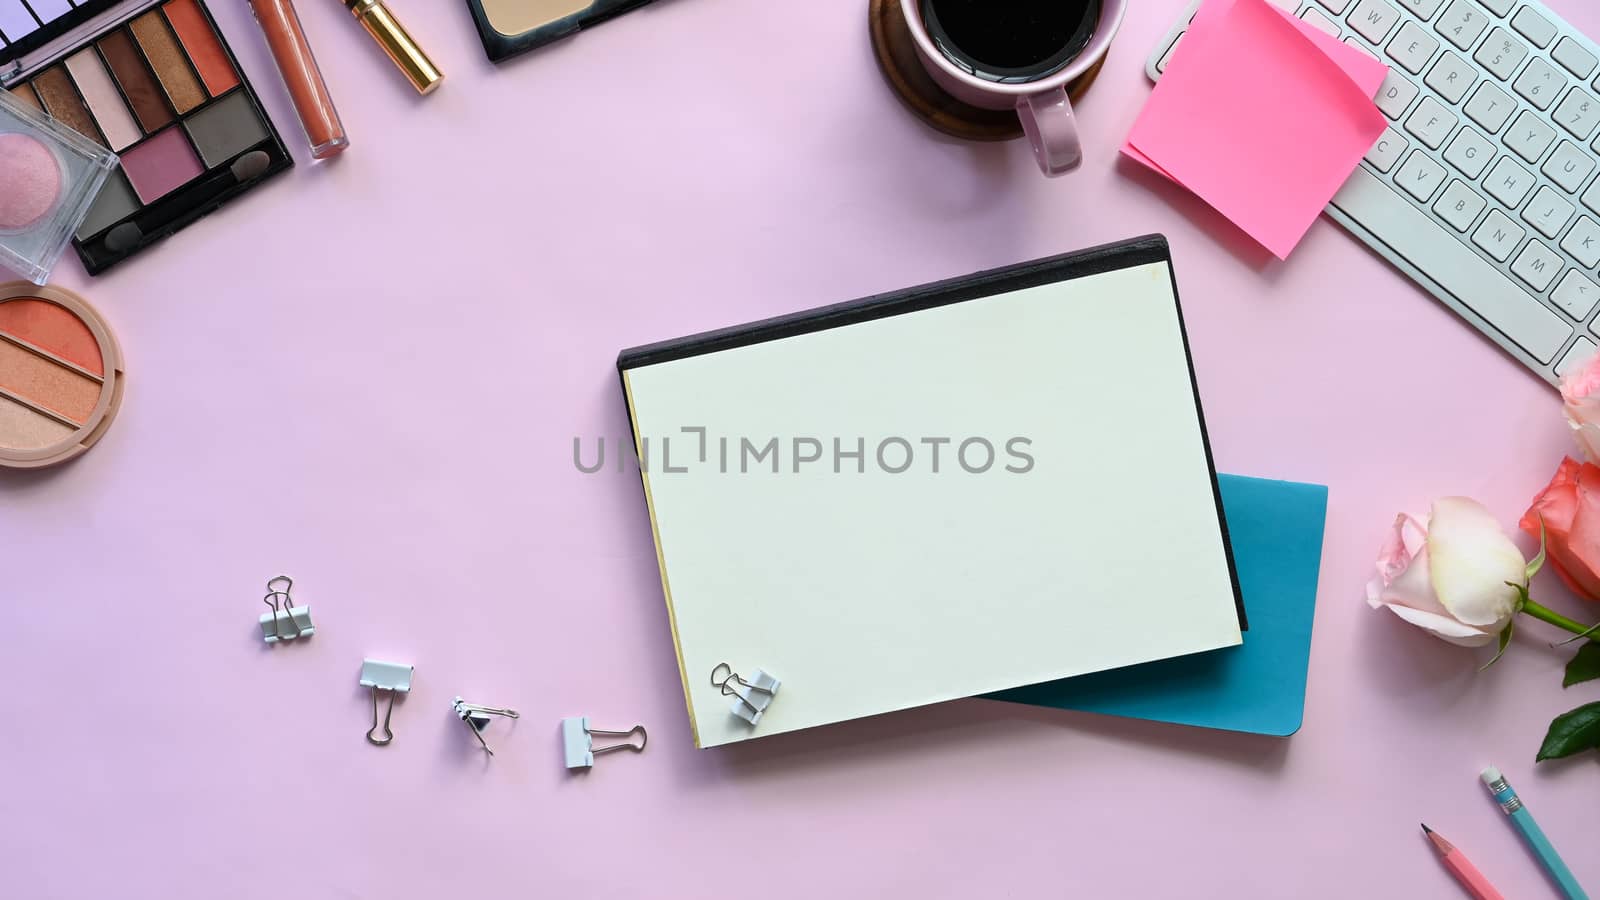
x=1259 y=687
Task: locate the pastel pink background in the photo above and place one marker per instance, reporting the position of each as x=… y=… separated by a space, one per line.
x=369 y=376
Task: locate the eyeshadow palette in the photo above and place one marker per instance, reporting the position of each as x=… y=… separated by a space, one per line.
x=61 y=376
x=153 y=81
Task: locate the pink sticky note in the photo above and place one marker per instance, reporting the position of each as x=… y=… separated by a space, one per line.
x=1363 y=68
x=1265 y=136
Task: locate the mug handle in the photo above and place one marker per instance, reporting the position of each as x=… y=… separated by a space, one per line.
x=1047 y=121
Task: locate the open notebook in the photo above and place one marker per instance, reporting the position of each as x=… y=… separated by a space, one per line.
x=1071 y=523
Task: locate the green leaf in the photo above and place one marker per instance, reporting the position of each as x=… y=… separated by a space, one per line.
x=1537 y=563
x=1572 y=732
x=1505 y=641
x=1583 y=667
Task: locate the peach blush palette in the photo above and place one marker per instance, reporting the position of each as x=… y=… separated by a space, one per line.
x=154 y=82
x=61 y=376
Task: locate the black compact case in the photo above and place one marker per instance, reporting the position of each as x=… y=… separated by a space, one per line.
x=156 y=82
x=530 y=28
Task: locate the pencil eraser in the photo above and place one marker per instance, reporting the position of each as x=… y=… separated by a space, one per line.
x=1490 y=775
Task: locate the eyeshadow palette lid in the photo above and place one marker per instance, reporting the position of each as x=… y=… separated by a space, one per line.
x=49 y=178
x=61 y=376
x=34 y=33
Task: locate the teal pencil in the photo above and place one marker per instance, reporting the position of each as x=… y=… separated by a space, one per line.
x=1522 y=820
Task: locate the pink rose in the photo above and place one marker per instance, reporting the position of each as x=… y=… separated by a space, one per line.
x=1580 y=399
x=1570 y=508
x=1453 y=577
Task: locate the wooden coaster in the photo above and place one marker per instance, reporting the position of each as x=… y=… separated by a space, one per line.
x=896 y=51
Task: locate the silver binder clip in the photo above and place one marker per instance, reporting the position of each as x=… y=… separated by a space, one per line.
x=578 y=740
x=296 y=617
x=750 y=698
x=395 y=678
x=477 y=718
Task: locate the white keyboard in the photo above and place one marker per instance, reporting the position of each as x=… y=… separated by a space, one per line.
x=1483 y=188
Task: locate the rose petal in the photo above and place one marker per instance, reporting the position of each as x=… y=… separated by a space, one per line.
x=1444 y=627
x=1587 y=434
x=1413 y=588
x=1580 y=556
x=1557 y=504
x=1471 y=560
x=1581 y=382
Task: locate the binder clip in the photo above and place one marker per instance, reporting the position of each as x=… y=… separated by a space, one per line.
x=477 y=718
x=750 y=698
x=578 y=740
x=275 y=624
x=384 y=676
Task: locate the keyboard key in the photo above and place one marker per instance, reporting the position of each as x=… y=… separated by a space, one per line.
x=1372 y=19
x=1577 y=295
x=1529 y=136
x=1498 y=235
x=1582 y=349
x=1539 y=83
x=1337 y=7
x=1498 y=7
x=1591 y=197
x=1422 y=9
x=1533 y=26
x=1537 y=265
x=1461 y=274
x=1583 y=242
x=1459 y=205
x=1574 y=58
x=1470 y=152
x=1568 y=167
x=1412 y=47
x=1548 y=212
x=1420 y=176
x=1353 y=41
x=1451 y=76
x=1509 y=182
x=1319 y=21
x=1501 y=53
x=1396 y=93
x=1431 y=123
x=1461 y=24
x=1386 y=152
x=1489 y=106
x=1578 y=113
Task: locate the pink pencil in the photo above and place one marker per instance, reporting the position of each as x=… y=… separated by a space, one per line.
x=1462 y=868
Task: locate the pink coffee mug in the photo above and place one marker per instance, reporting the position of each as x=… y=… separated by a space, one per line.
x=1041 y=104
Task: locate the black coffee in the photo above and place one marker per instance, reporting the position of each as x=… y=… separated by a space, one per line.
x=1011 y=38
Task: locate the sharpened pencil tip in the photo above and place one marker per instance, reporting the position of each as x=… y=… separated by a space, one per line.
x=1426 y=828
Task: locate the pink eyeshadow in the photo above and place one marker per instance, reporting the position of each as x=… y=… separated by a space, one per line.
x=161 y=165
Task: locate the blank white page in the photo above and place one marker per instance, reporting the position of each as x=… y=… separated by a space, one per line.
x=867 y=592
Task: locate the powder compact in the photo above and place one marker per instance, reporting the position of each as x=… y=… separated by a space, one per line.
x=510 y=27
x=154 y=82
x=60 y=376
x=49 y=176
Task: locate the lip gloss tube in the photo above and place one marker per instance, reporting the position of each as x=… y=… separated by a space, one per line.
x=287 y=42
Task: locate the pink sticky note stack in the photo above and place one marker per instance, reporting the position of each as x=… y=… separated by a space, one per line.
x=1262 y=116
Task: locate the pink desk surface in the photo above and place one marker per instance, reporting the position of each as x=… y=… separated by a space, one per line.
x=370 y=375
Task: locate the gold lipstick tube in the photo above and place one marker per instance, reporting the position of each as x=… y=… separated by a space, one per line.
x=392 y=37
